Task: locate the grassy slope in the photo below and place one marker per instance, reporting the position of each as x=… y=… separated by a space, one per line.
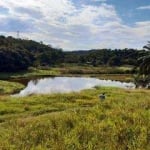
x=30 y=73
x=9 y=87
x=77 y=121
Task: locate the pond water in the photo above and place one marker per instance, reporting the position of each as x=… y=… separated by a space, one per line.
x=68 y=84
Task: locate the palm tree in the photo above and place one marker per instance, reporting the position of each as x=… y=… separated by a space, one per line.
x=145 y=62
x=147 y=46
x=143 y=78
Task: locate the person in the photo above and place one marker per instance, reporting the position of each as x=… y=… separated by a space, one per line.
x=102 y=96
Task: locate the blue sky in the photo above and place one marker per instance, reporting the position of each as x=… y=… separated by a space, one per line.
x=78 y=24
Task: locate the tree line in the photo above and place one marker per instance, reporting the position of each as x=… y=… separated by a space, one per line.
x=108 y=57
x=19 y=54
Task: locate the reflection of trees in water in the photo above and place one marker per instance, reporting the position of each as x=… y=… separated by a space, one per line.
x=35 y=81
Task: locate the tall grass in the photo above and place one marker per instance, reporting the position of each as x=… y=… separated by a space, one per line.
x=9 y=87
x=77 y=121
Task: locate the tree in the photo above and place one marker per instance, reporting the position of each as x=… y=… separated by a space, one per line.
x=143 y=78
x=145 y=61
x=114 y=61
x=14 y=59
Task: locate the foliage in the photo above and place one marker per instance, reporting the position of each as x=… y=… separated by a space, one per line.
x=14 y=59
x=103 y=57
x=145 y=62
x=19 y=54
x=143 y=78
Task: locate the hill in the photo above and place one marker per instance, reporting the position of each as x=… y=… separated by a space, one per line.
x=19 y=54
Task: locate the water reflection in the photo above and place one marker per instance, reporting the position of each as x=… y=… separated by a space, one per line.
x=68 y=84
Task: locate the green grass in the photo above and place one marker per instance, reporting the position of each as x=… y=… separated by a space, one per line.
x=30 y=73
x=9 y=87
x=94 y=70
x=103 y=72
x=76 y=121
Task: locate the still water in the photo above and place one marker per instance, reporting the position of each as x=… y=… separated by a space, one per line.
x=68 y=84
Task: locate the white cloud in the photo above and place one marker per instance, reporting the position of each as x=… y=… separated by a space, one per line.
x=144 y=7
x=63 y=24
x=89 y=15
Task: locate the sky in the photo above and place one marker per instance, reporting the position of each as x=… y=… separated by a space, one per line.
x=78 y=24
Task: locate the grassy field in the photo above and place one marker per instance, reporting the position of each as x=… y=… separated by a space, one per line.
x=9 y=87
x=76 y=121
x=103 y=72
x=93 y=70
x=30 y=73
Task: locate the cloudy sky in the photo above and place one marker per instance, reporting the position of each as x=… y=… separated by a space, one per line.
x=78 y=24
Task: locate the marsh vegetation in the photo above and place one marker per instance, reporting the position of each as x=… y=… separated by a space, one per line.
x=76 y=120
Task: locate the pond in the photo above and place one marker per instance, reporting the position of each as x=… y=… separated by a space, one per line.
x=68 y=84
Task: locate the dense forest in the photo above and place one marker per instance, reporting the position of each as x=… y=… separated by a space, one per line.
x=19 y=54
x=108 y=57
